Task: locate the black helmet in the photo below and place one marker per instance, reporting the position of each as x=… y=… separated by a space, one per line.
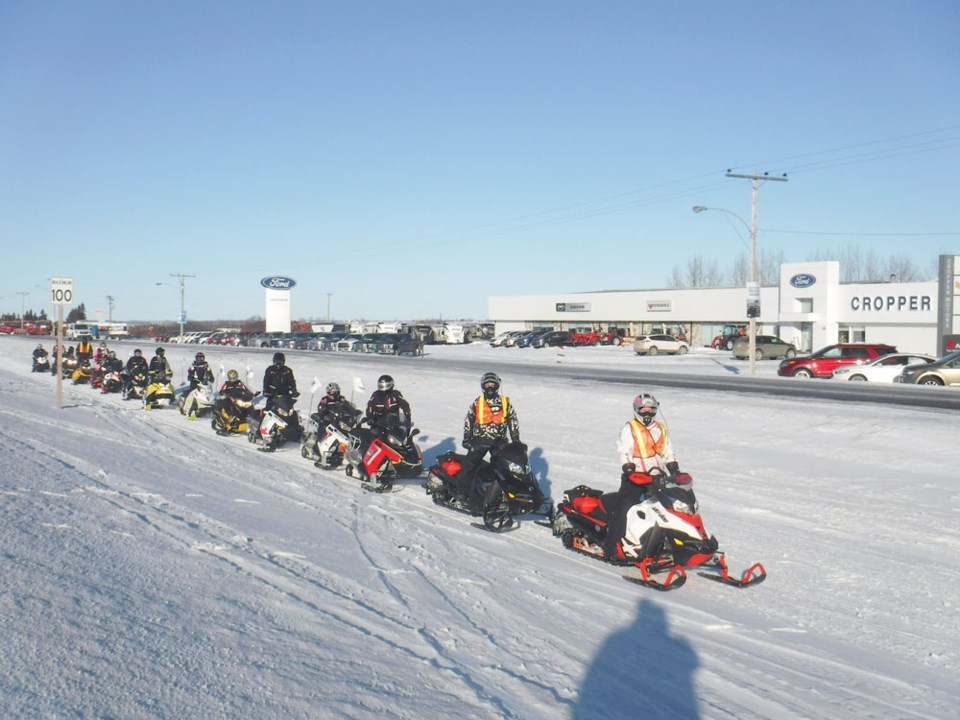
x=160 y=352
x=138 y=352
x=279 y=359
x=333 y=390
x=200 y=357
x=645 y=408
x=490 y=383
x=385 y=382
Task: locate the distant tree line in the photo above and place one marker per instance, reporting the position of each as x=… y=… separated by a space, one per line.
x=856 y=266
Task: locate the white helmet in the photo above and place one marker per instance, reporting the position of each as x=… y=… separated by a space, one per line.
x=645 y=407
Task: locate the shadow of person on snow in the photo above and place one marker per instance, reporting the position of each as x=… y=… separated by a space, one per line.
x=430 y=455
x=641 y=671
x=539 y=467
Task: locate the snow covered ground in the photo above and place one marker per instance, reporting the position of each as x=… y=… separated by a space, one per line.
x=151 y=569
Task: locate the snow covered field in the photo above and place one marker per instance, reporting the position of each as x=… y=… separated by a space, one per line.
x=151 y=569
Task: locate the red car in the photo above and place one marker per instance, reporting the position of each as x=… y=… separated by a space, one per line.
x=824 y=361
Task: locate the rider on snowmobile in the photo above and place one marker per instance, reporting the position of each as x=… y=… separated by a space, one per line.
x=278 y=381
x=387 y=407
x=160 y=370
x=199 y=373
x=490 y=418
x=644 y=446
x=332 y=405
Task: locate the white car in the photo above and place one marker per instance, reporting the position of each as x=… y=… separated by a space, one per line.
x=884 y=369
x=660 y=344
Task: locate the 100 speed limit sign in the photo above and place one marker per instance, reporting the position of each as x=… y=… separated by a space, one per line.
x=61 y=291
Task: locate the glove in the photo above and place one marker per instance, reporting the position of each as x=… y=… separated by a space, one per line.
x=627 y=470
x=673 y=468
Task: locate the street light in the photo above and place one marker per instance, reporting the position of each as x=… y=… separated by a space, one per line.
x=752 y=348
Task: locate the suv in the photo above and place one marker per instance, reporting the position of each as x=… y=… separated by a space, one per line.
x=824 y=361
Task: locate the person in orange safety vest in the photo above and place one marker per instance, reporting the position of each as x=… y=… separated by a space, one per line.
x=490 y=419
x=643 y=446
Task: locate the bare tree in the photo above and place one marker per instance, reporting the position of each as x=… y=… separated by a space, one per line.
x=698 y=272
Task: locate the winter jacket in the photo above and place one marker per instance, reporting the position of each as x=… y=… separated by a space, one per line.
x=646 y=447
x=278 y=380
x=199 y=374
x=160 y=370
x=490 y=420
x=137 y=363
x=389 y=402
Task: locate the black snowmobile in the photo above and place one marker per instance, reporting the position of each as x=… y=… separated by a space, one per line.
x=496 y=490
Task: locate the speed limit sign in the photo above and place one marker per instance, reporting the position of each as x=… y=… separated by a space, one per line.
x=61 y=291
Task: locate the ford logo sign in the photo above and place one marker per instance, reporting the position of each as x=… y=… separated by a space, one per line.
x=802 y=280
x=278 y=282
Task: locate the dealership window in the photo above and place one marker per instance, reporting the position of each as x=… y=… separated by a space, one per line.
x=851 y=333
x=804 y=305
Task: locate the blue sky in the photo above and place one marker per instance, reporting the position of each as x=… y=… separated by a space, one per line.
x=408 y=160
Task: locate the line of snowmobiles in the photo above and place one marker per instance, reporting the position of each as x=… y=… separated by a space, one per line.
x=664 y=536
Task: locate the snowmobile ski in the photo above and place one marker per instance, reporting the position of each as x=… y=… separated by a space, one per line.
x=753 y=575
x=496 y=530
x=381 y=489
x=675 y=578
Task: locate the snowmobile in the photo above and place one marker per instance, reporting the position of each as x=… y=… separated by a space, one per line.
x=67 y=366
x=381 y=451
x=273 y=426
x=496 y=490
x=133 y=386
x=41 y=364
x=112 y=382
x=81 y=374
x=195 y=402
x=159 y=393
x=664 y=533
x=230 y=413
x=327 y=443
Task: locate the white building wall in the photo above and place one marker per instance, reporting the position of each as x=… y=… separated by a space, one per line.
x=809 y=308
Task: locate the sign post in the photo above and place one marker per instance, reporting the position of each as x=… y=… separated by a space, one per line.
x=61 y=293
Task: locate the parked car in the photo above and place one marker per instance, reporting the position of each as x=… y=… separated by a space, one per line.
x=945 y=371
x=367 y=342
x=554 y=338
x=824 y=361
x=528 y=339
x=329 y=340
x=399 y=344
x=768 y=346
x=347 y=342
x=660 y=344
x=498 y=340
x=884 y=369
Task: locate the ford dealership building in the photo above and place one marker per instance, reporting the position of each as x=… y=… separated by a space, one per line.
x=809 y=307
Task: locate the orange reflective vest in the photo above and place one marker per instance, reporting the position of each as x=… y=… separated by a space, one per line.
x=644 y=446
x=83 y=348
x=486 y=416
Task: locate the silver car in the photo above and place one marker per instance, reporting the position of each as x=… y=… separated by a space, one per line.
x=768 y=346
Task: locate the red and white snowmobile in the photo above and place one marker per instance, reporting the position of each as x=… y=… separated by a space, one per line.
x=664 y=534
x=381 y=452
x=327 y=438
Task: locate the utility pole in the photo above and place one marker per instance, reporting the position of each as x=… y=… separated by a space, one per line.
x=329 y=295
x=753 y=287
x=183 y=312
x=109 y=308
